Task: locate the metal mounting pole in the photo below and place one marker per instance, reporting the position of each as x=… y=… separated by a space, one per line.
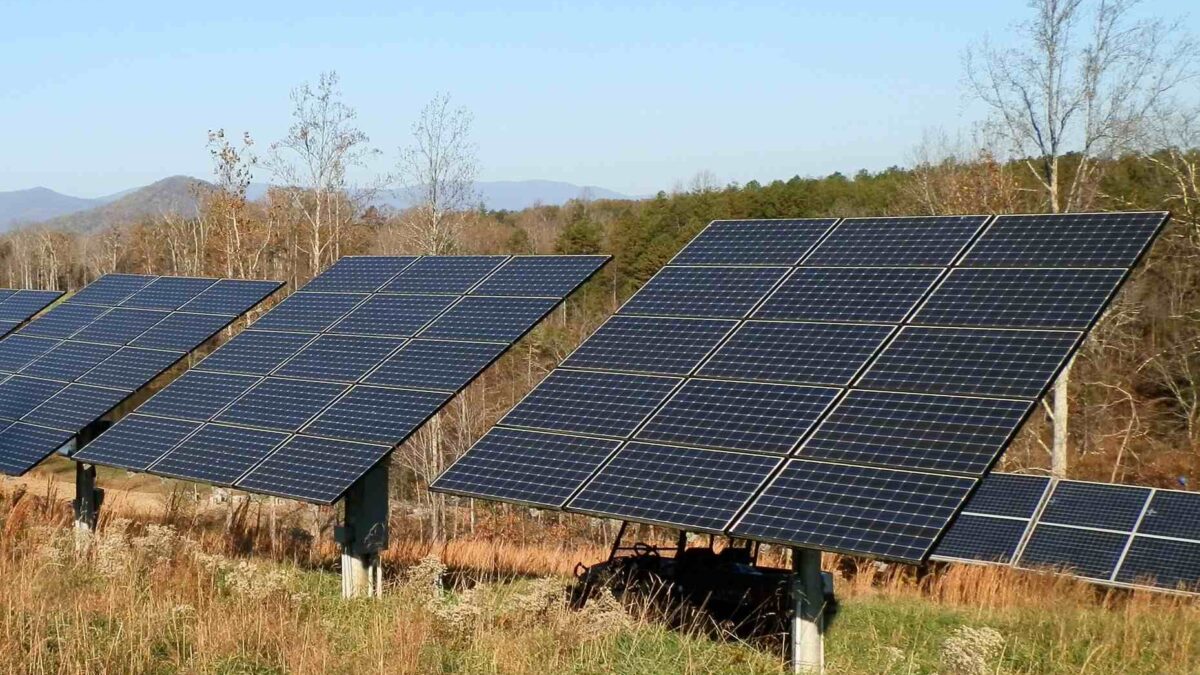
x=88 y=497
x=808 y=618
x=364 y=534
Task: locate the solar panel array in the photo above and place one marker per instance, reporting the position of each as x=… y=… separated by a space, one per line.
x=326 y=384
x=19 y=305
x=840 y=385
x=1115 y=534
x=72 y=365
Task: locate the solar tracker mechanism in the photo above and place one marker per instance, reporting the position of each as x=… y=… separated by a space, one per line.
x=828 y=385
x=309 y=400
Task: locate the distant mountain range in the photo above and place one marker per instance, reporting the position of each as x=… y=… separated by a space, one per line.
x=175 y=195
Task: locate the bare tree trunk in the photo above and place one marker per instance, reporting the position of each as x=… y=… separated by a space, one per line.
x=1058 y=451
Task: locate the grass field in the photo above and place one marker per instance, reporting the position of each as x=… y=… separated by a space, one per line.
x=150 y=598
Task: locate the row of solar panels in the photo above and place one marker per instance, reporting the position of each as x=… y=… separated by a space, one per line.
x=834 y=384
x=327 y=383
x=1117 y=534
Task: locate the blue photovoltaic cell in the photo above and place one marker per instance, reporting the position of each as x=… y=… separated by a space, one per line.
x=1087 y=553
x=355 y=274
x=865 y=510
x=982 y=538
x=738 y=415
x=231 y=297
x=339 y=358
x=921 y=240
x=754 y=242
x=130 y=368
x=281 y=404
x=308 y=312
x=916 y=431
x=136 y=441
x=377 y=415
x=604 y=404
x=22 y=446
x=1006 y=494
x=111 y=289
x=182 y=332
x=650 y=345
x=198 y=395
x=62 y=321
x=20 y=305
x=707 y=292
x=435 y=364
x=685 y=487
x=255 y=352
x=798 y=353
x=394 y=315
x=19 y=395
x=119 y=326
x=1110 y=507
x=168 y=293
x=17 y=351
x=982 y=362
x=444 y=274
x=1021 y=298
x=313 y=469
x=75 y=407
x=1170 y=514
x=1163 y=563
x=551 y=276
x=529 y=467
x=217 y=454
x=1066 y=240
x=848 y=294
x=68 y=361
x=490 y=319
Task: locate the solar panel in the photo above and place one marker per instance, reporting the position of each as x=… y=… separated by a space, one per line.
x=910 y=415
x=324 y=385
x=1170 y=514
x=198 y=395
x=18 y=306
x=339 y=358
x=137 y=440
x=684 y=487
x=709 y=292
x=879 y=294
x=982 y=538
x=981 y=362
x=1162 y=563
x=650 y=345
x=377 y=415
x=444 y=274
x=1005 y=494
x=530 y=467
x=604 y=404
x=737 y=415
x=1066 y=240
x=881 y=512
x=754 y=242
x=254 y=352
x=1024 y=298
x=313 y=469
x=545 y=276
x=435 y=364
x=799 y=353
x=1111 y=507
x=916 y=431
x=922 y=240
x=92 y=348
x=1086 y=553
x=23 y=444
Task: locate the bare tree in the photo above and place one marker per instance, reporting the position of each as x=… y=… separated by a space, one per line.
x=1082 y=83
x=438 y=171
x=311 y=163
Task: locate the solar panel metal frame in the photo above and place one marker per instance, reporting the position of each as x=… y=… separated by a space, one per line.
x=182 y=354
x=957 y=261
x=472 y=292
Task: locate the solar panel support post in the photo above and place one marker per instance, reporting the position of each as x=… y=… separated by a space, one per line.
x=88 y=497
x=808 y=616
x=364 y=534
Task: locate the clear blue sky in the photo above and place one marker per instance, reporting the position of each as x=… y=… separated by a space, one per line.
x=633 y=96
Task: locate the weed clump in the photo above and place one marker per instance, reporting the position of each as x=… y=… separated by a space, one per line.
x=972 y=651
